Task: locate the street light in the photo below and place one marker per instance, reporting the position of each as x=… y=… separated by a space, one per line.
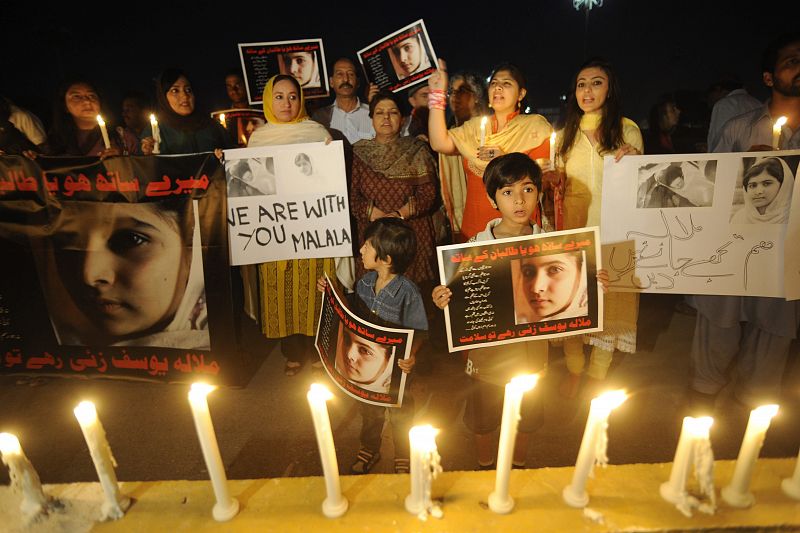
x=587 y=6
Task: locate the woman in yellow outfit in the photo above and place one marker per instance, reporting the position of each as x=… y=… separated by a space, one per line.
x=594 y=128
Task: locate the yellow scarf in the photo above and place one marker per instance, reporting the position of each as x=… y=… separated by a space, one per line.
x=267 y=101
x=591 y=121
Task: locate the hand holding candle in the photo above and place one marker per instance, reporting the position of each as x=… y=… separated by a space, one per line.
x=425 y=466
x=104 y=132
x=24 y=478
x=222 y=120
x=737 y=492
x=483 y=131
x=592 y=446
x=226 y=507
x=156 y=134
x=115 y=504
x=335 y=504
x=500 y=501
x=777 y=128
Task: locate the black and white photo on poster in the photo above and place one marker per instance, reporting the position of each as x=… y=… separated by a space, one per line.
x=676 y=184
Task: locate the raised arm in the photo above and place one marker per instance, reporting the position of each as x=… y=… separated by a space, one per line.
x=437 y=124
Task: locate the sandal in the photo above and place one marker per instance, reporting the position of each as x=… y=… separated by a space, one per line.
x=292 y=368
x=364 y=462
x=402 y=466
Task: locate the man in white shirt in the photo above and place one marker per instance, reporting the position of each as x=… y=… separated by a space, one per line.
x=733 y=104
x=347 y=113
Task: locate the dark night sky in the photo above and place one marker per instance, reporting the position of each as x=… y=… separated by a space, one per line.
x=656 y=46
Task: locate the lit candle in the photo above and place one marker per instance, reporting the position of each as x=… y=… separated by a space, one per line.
x=23 y=476
x=694 y=439
x=776 y=132
x=500 y=501
x=425 y=466
x=553 y=151
x=335 y=504
x=156 y=134
x=737 y=492
x=104 y=131
x=483 y=130
x=791 y=486
x=592 y=446
x=226 y=507
x=222 y=120
x=115 y=504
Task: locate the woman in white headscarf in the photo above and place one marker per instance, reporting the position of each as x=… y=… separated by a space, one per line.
x=767 y=187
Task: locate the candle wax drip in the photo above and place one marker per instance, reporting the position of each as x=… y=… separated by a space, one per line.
x=431 y=462
x=601 y=448
x=703 y=460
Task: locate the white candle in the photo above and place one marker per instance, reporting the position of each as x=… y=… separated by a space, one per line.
x=553 y=151
x=791 y=486
x=575 y=493
x=226 y=507
x=104 y=131
x=425 y=466
x=500 y=501
x=115 y=503
x=222 y=120
x=335 y=504
x=23 y=476
x=156 y=134
x=483 y=130
x=776 y=132
x=737 y=492
x=694 y=432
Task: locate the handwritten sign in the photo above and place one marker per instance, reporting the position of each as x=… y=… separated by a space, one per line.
x=360 y=356
x=550 y=280
x=287 y=202
x=686 y=224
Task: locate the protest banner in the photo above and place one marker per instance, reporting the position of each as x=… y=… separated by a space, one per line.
x=360 y=356
x=303 y=59
x=686 y=224
x=287 y=202
x=549 y=278
x=401 y=59
x=111 y=260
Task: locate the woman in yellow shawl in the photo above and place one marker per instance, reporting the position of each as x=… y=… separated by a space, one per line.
x=289 y=301
x=594 y=128
x=480 y=140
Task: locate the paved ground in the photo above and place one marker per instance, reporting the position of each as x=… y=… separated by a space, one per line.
x=265 y=430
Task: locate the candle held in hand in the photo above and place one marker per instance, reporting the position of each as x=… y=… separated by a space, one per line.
x=335 y=504
x=483 y=131
x=156 y=134
x=104 y=132
x=777 y=128
x=553 y=151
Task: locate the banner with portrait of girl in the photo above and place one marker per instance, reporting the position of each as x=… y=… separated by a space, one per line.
x=116 y=267
x=360 y=356
x=521 y=288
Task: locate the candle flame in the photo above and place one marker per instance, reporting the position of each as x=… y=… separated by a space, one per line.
x=200 y=390
x=610 y=400
x=100 y=121
x=780 y=122
x=319 y=393
x=553 y=138
x=698 y=427
x=423 y=437
x=222 y=118
x=483 y=121
x=153 y=120
x=9 y=444
x=525 y=382
x=764 y=413
x=85 y=412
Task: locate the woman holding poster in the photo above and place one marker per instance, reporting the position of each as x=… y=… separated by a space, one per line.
x=290 y=302
x=482 y=139
x=595 y=128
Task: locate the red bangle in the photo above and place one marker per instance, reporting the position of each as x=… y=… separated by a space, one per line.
x=437 y=99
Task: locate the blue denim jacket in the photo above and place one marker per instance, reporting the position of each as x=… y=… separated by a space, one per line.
x=399 y=302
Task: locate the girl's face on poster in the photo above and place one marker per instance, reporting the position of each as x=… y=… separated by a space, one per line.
x=591 y=90
x=364 y=361
x=301 y=66
x=285 y=101
x=181 y=97
x=549 y=283
x=124 y=265
x=386 y=119
x=504 y=92
x=409 y=53
x=82 y=102
x=762 y=190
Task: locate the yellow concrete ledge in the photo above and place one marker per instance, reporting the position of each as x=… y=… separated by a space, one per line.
x=626 y=496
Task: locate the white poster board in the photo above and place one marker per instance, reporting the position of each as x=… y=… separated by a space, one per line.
x=684 y=224
x=287 y=202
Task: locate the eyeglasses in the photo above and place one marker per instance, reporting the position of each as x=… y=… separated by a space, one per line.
x=460 y=91
x=77 y=98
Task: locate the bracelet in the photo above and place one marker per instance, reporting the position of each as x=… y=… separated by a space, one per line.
x=369 y=209
x=437 y=99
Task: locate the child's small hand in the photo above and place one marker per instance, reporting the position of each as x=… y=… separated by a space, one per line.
x=602 y=279
x=441 y=296
x=321 y=284
x=407 y=364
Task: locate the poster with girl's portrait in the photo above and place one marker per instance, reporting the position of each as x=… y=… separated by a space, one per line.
x=401 y=59
x=550 y=279
x=303 y=59
x=359 y=356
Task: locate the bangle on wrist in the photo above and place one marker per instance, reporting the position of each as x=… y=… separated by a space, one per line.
x=437 y=99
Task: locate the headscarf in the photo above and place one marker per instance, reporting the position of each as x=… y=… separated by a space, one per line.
x=777 y=212
x=193 y=122
x=403 y=158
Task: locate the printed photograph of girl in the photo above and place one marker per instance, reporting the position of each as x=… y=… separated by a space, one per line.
x=765 y=194
x=409 y=56
x=364 y=363
x=549 y=287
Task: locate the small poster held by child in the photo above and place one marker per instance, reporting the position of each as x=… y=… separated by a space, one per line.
x=549 y=279
x=361 y=357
